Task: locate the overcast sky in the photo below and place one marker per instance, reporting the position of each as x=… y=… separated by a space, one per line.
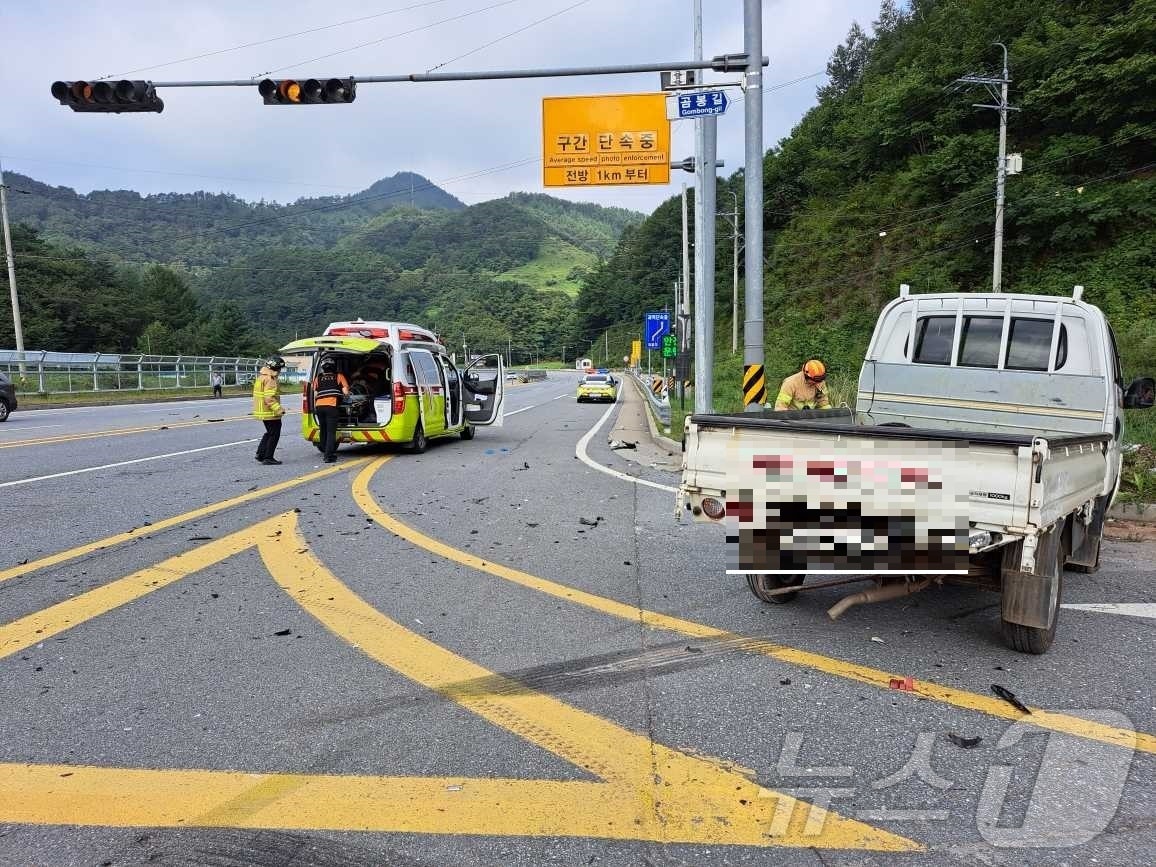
x=226 y=140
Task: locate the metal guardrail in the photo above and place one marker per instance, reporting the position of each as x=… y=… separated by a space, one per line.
x=654 y=387
x=530 y=375
x=45 y=372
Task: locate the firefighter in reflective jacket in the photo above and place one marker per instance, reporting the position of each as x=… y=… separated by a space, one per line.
x=805 y=389
x=267 y=408
x=329 y=386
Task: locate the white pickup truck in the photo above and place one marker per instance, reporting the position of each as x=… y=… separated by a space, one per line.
x=984 y=448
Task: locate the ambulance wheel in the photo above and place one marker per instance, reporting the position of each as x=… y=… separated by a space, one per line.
x=468 y=432
x=419 y=443
x=762 y=585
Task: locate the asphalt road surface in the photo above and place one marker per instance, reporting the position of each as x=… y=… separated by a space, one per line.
x=506 y=651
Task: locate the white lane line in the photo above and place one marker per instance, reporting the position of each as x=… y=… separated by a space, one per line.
x=22 y=428
x=123 y=463
x=580 y=453
x=559 y=397
x=1128 y=609
x=531 y=406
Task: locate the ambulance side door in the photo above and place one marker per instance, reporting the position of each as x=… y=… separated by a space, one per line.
x=483 y=384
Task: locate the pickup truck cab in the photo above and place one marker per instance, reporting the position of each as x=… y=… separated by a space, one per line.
x=984 y=448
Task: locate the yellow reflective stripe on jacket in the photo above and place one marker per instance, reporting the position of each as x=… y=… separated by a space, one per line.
x=267 y=398
x=795 y=393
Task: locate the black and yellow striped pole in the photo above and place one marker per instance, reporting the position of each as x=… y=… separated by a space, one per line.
x=754 y=385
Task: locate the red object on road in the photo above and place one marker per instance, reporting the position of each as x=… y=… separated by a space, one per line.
x=904 y=683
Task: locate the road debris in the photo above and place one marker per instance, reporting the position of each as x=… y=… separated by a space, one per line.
x=1010 y=698
x=906 y=684
x=622 y=444
x=283 y=632
x=586 y=522
x=877 y=639
x=965 y=743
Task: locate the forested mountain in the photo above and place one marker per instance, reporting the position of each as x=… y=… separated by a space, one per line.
x=891 y=177
x=206 y=229
x=495 y=273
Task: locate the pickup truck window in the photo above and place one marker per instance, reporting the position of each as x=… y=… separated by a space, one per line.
x=979 y=344
x=1030 y=342
x=933 y=340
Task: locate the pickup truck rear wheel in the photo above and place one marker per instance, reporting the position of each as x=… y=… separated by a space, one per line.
x=762 y=585
x=1032 y=639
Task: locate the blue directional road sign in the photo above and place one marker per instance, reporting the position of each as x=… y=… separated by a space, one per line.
x=702 y=103
x=657 y=325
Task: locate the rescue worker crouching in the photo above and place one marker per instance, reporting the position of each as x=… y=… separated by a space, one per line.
x=267 y=408
x=806 y=389
x=329 y=386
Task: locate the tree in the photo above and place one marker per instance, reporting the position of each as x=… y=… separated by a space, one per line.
x=847 y=63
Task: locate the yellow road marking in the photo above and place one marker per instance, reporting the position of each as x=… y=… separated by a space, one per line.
x=646 y=791
x=212 y=508
x=67 y=438
x=43 y=624
x=829 y=665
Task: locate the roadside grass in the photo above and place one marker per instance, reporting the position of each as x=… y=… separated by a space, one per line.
x=551 y=269
x=1138 y=474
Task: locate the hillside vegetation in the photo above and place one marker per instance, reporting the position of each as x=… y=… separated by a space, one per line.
x=497 y=274
x=890 y=179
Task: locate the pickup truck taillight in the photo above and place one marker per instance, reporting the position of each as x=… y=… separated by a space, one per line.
x=713 y=507
x=398 y=398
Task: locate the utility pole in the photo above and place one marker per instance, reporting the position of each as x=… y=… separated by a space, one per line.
x=705 y=153
x=1000 y=98
x=17 y=324
x=754 y=372
x=733 y=218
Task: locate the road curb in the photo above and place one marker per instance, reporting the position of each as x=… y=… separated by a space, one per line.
x=1144 y=513
x=665 y=442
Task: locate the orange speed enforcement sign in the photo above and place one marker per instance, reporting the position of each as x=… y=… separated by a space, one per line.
x=605 y=140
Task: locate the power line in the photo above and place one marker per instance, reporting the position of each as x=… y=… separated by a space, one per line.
x=521 y=29
x=390 y=36
x=276 y=38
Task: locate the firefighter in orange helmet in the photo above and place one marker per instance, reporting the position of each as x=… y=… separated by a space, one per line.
x=806 y=389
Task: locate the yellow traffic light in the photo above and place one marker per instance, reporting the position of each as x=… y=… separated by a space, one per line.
x=290 y=90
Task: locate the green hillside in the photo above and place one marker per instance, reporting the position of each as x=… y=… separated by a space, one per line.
x=890 y=179
x=559 y=265
x=499 y=273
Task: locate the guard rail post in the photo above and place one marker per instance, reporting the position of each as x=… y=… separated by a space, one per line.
x=95 y=368
x=40 y=371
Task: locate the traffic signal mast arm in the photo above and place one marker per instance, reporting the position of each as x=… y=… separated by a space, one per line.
x=107 y=96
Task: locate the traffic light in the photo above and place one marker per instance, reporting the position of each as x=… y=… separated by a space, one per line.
x=307 y=91
x=108 y=96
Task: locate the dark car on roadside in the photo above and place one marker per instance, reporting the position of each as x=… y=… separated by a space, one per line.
x=7 y=396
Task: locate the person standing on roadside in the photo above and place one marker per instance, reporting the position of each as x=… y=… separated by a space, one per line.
x=267 y=407
x=329 y=386
x=217 y=381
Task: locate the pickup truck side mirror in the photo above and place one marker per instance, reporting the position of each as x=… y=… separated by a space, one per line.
x=1141 y=394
